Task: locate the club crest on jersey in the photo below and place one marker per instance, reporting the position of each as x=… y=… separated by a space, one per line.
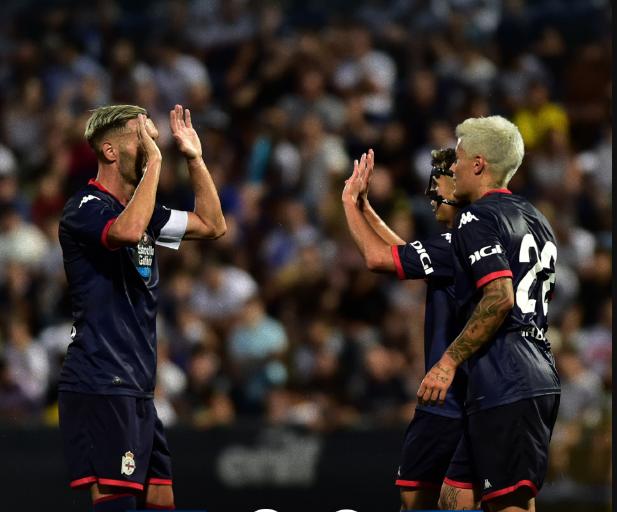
x=143 y=254
x=128 y=464
x=466 y=217
x=485 y=251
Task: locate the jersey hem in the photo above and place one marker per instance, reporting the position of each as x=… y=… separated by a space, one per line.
x=134 y=394
x=443 y=414
x=492 y=276
x=512 y=488
x=472 y=410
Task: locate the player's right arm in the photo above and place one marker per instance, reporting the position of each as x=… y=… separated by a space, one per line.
x=374 y=249
x=130 y=225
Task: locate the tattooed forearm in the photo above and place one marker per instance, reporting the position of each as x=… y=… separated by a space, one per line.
x=497 y=301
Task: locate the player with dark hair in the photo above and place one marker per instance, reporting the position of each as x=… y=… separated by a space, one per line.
x=113 y=439
x=434 y=432
x=504 y=253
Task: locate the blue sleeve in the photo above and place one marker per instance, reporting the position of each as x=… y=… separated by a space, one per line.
x=89 y=220
x=426 y=259
x=479 y=247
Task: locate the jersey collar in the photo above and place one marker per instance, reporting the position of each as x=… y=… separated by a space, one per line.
x=96 y=184
x=497 y=191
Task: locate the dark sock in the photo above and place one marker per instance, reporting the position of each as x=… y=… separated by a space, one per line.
x=115 y=503
x=150 y=506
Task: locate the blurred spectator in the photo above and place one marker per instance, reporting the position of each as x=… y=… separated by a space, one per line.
x=256 y=346
x=368 y=71
x=539 y=115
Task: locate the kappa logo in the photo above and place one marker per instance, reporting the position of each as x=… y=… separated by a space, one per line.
x=485 y=251
x=448 y=237
x=87 y=198
x=425 y=259
x=128 y=464
x=487 y=484
x=466 y=218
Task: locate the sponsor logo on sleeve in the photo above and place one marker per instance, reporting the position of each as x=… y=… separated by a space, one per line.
x=466 y=218
x=87 y=198
x=485 y=251
x=425 y=259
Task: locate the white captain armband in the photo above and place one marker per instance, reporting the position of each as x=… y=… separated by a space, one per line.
x=174 y=229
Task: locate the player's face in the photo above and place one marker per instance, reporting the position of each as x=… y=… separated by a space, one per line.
x=463 y=169
x=444 y=186
x=133 y=159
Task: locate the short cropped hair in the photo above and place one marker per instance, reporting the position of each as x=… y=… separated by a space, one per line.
x=443 y=158
x=497 y=140
x=109 y=118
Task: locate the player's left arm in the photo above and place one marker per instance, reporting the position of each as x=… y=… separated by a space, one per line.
x=486 y=319
x=207 y=220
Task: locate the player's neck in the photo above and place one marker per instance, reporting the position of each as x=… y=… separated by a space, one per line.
x=484 y=189
x=111 y=180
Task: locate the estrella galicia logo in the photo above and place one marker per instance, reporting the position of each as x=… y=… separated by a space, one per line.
x=143 y=255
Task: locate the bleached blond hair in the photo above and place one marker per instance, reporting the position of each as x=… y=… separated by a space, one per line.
x=497 y=140
x=109 y=119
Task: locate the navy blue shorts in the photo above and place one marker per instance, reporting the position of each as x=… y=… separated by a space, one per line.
x=430 y=443
x=505 y=447
x=113 y=440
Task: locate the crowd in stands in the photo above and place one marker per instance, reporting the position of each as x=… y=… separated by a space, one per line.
x=279 y=320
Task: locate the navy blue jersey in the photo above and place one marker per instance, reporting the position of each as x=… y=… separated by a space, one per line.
x=503 y=235
x=113 y=296
x=432 y=260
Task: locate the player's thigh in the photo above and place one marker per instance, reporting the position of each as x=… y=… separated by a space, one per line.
x=521 y=500
x=160 y=495
x=457 y=498
x=418 y=499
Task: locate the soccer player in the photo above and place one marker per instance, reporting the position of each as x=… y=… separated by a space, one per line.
x=504 y=252
x=113 y=440
x=434 y=432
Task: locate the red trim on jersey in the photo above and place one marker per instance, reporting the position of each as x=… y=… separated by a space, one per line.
x=459 y=485
x=397 y=262
x=83 y=481
x=121 y=483
x=159 y=481
x=151 y=506
x=512 y=488
x=111 y=497
x=492 y=276
x=103 y=189
x=417 y=484
x=498 y=191
x=104 y=235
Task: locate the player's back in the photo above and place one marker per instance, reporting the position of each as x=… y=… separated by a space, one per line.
x=503 y=235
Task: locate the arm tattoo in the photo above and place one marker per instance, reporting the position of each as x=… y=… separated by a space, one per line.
x=487 y=317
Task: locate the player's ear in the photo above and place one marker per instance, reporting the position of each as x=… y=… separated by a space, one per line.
x=108 y=151
x=478 y=164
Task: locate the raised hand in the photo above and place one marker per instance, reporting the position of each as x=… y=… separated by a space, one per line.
x=145 y=135
x=356 y=186
x=183 y=132
x=366 y=173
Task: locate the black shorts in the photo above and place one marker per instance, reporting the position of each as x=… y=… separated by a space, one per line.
x=430 y=442
x=113 y=440
x=506 y=447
